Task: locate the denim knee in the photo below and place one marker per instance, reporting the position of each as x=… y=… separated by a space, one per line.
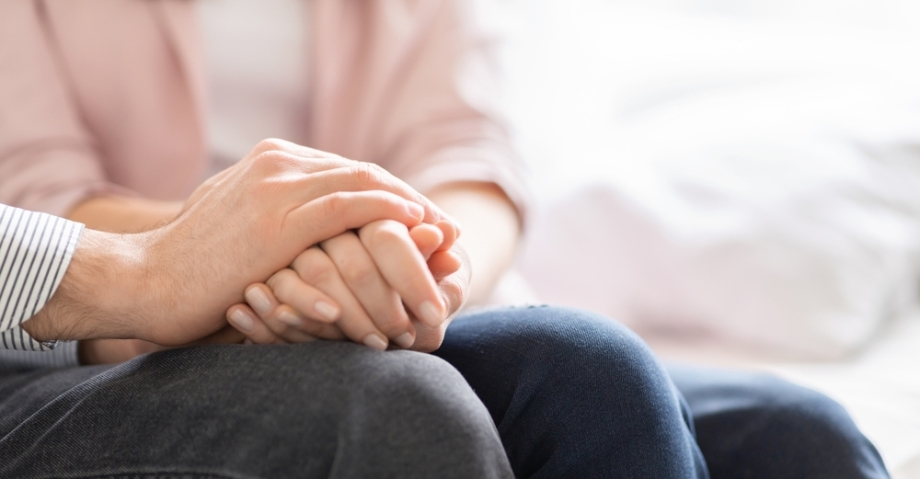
x=570 y=353
x=570 y=386
x=331 y=410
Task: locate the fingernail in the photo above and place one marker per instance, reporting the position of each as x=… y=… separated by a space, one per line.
x=259 y=302
x=290 y=319
x=326 y=310
x=431 y=314
x=248 y=342
x=405 y=340
x=415 y=210
x=375 y=341
x=242 y=320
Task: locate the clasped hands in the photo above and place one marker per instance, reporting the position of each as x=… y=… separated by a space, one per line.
x=324 y=247
x=383 y=283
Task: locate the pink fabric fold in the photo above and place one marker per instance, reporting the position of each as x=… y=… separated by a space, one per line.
x=101 y=97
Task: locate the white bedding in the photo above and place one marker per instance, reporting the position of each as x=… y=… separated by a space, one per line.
x=738 y=181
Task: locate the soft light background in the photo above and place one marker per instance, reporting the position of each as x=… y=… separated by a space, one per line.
x=738 y=180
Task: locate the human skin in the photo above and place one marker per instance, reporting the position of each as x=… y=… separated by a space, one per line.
x=491 y=231
x=493 y=223
x=371 y=278
x=171 y=285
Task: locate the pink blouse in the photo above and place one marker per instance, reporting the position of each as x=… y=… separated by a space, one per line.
x=99 y=96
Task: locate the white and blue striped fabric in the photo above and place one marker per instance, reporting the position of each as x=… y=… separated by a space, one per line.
x=35 y=251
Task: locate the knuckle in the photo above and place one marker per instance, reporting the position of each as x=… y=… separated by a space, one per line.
x=266 y=161
x=282 y=283
x=357 y=271
x=304 y=259
x=334 y=204
x=313 y=266
x=385 y=234
x=269 y=144
x=453 y=293
x=275 y=162
x=368 y=175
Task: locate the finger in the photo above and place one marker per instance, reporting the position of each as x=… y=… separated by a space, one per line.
x=316 y=269
x=321 y=330
x=304 y=308
x=368 y=176
x=285 y=330
x=404 y=269
x=454 y=289
x=443 y=264
x=381 y=303
x=281 y=319
x=308 y=301
x=427 y=238
x=450 y=231
x=333 y=214
x=245 y=320
x=350 y=177
x=430 y=339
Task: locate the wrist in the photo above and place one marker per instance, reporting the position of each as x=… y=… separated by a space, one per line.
x=99 y=295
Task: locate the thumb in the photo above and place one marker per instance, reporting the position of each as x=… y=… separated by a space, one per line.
x=333 y=214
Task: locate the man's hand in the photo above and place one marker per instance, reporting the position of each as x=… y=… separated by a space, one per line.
x=371 y=275
x=171 y=286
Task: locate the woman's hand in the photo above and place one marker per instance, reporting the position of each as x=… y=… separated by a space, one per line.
x=371 y=276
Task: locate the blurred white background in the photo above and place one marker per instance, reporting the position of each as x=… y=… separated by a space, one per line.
x=585 y=73
x=735 y=179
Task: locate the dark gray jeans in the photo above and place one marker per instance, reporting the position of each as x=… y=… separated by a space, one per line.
x=317 y=410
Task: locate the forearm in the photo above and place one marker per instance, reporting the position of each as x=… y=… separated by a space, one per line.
x=119 y=215
x=95 y=294
x=124 y=214
x=490 y=231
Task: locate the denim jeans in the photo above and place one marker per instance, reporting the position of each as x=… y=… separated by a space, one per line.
x=571 y=394
x=574 y=394
x=319 y=410
x=577 y=395
x=758 y=426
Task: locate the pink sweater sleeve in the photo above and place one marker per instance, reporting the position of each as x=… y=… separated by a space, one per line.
x=413 y=86
x=448 y=122
x=47 y=159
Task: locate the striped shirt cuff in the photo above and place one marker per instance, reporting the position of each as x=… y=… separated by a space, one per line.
x=35 y=250
x=64 y=355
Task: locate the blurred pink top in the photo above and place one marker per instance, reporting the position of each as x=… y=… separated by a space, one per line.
x=99 y=96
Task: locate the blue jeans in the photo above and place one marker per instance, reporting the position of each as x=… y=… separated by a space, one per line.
x=570 y=393
x=576 y=395
x=758 y=426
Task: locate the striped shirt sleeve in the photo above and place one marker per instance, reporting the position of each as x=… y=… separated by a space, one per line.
x=35 y=250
